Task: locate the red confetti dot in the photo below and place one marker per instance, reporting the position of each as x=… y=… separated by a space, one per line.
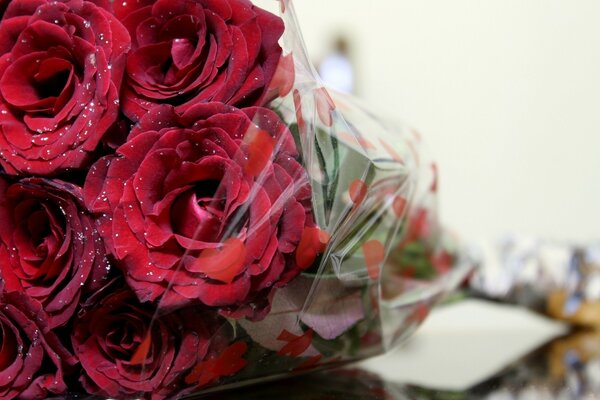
x=222 y=264
x=399 y=206
x=365 y=143
x=140 y=355
x=260 y=151
x=324 y=239
x=350 y=138
x=391 y=151
x=296 y=345
x=345 y=136
x=357 y=191
x=408 y=272
x=312 y=243
x=442 y=261
x=418 y=227
x=370 y=339
x=283 y=80
x=299 y=116
x=309 y=363
x=434 y=183
x=229 y=362
x=325 y=106
x=374 y=253
x=420 y=313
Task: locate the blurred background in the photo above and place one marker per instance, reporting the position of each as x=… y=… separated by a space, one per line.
x=506 y=93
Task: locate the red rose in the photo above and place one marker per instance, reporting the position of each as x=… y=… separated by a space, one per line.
x=31 y=357
x=61 y=64
x=191 y=51
x=56 y=254
x=127 y=350
x=206 y=203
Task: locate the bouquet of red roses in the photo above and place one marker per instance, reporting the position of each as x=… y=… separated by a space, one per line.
x=183 y=205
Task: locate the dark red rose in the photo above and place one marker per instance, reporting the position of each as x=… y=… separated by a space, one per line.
x=31 y=357
x=127 y=350
x=191 y=51
x=209 y=204
x=55 y=252
x=61 y=66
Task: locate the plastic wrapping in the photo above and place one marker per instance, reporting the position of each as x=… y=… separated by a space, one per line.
x=213 y=237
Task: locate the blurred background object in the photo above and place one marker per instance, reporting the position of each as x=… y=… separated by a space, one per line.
x=337 y=69
x=506 y=94
x=558 y=279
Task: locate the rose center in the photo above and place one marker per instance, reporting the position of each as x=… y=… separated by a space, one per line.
x=39 y=237
x=39 y=85
x=38 y=227
x=197 y=213
x=122 y=339
x=53 y=85
x=205 y=193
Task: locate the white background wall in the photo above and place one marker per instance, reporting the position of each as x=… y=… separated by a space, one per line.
x=507 y=93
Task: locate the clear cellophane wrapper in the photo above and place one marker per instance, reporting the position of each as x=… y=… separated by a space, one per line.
x=382 y=260
x=230 y=245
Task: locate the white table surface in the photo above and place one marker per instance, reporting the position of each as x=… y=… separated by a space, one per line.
x=463 y=344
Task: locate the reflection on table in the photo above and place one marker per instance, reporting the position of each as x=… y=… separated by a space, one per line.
x=565 y=368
